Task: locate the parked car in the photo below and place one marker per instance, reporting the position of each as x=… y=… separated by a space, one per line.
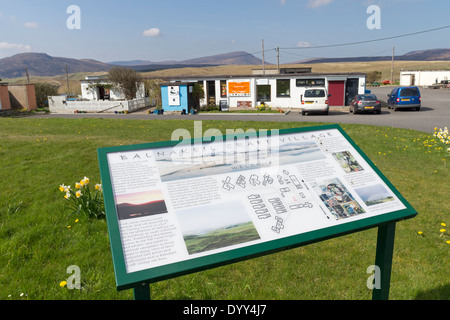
x=365 y=103
x=405 y=97
x=315 y=100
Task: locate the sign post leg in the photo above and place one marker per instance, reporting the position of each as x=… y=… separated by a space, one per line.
x=385 y=250
x=142 y=292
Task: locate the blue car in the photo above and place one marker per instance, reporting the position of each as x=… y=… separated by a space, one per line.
x=404 y=97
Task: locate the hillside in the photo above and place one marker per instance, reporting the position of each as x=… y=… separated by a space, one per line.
x=332 y=67
x=232 y=58
x=422 y=55
x=41 y=64
x=239 y=62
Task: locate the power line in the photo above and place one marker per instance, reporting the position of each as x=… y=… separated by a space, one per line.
x=367 y=41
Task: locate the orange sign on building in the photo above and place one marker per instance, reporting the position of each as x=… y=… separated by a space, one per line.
x=239 y=88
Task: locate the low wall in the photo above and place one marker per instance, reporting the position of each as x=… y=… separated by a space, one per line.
x=59 y=104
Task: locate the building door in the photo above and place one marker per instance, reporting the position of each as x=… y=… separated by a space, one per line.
x=211 y=92
x=337 y=91
x=351 y=90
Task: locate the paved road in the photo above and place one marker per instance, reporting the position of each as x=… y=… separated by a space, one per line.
x=435 y=112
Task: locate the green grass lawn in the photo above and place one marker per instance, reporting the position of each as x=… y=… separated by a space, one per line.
x=37 y=246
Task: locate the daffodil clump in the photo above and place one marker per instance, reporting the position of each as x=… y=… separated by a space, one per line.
x=84 y=199
x=444 y=138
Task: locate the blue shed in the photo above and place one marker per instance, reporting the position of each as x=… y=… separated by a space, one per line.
x=177 y=96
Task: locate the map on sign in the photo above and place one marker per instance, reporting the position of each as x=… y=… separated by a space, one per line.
x=193 y=202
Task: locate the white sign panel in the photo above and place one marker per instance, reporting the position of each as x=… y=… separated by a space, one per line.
x=179 y=203
x=174 y=95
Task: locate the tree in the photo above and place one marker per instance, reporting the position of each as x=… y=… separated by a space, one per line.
x=373 y=76
x=125 y=79
x=153 y=90
x=198 y=93
x=43 y=91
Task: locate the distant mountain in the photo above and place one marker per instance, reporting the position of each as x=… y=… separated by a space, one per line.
x=429 y=55
x=130 y=63
x=41 y=64
x=128 y=211
x=423 y=55
x=235 y=58
x=231 y=58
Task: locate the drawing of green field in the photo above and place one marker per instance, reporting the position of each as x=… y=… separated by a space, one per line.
x=220 y=238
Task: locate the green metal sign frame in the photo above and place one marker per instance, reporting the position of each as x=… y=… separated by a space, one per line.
x=140 y=281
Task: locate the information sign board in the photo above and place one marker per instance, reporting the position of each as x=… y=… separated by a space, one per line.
x=179 y=207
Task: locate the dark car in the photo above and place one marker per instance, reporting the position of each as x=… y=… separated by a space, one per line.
x=365 y=103
x=404 y=97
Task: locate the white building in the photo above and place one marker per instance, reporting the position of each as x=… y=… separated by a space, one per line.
x=95 y=89
x=281 y=90
x=423 y=77
x=98 y=96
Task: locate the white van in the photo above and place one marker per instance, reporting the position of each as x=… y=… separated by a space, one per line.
x=315 y=100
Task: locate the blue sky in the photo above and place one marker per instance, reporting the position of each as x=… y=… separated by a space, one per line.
x=159 y=30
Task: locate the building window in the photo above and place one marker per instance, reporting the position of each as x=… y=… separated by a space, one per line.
x=310 y=82
x=263 y=93
x=223 y=88
x=283 y=88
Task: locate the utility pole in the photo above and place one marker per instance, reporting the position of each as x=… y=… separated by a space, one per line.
x=67 y=76
x=392 y=65
x=278 y=60
x=28 y=76
x=263 y=62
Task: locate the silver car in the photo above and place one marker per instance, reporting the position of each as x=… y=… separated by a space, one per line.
x=365 y=103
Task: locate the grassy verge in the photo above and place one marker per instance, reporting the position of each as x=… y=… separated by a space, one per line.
x=37 y=246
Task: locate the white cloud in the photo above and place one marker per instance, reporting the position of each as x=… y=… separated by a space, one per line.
x=152 y=32
x=32 y=25
x=282 y=2
x=14 y=46
x=304 y=44
x=318 y=3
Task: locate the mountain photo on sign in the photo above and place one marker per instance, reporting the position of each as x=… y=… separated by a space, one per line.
x=141 y=204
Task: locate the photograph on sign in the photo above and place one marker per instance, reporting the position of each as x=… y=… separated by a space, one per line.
x=189 y=201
